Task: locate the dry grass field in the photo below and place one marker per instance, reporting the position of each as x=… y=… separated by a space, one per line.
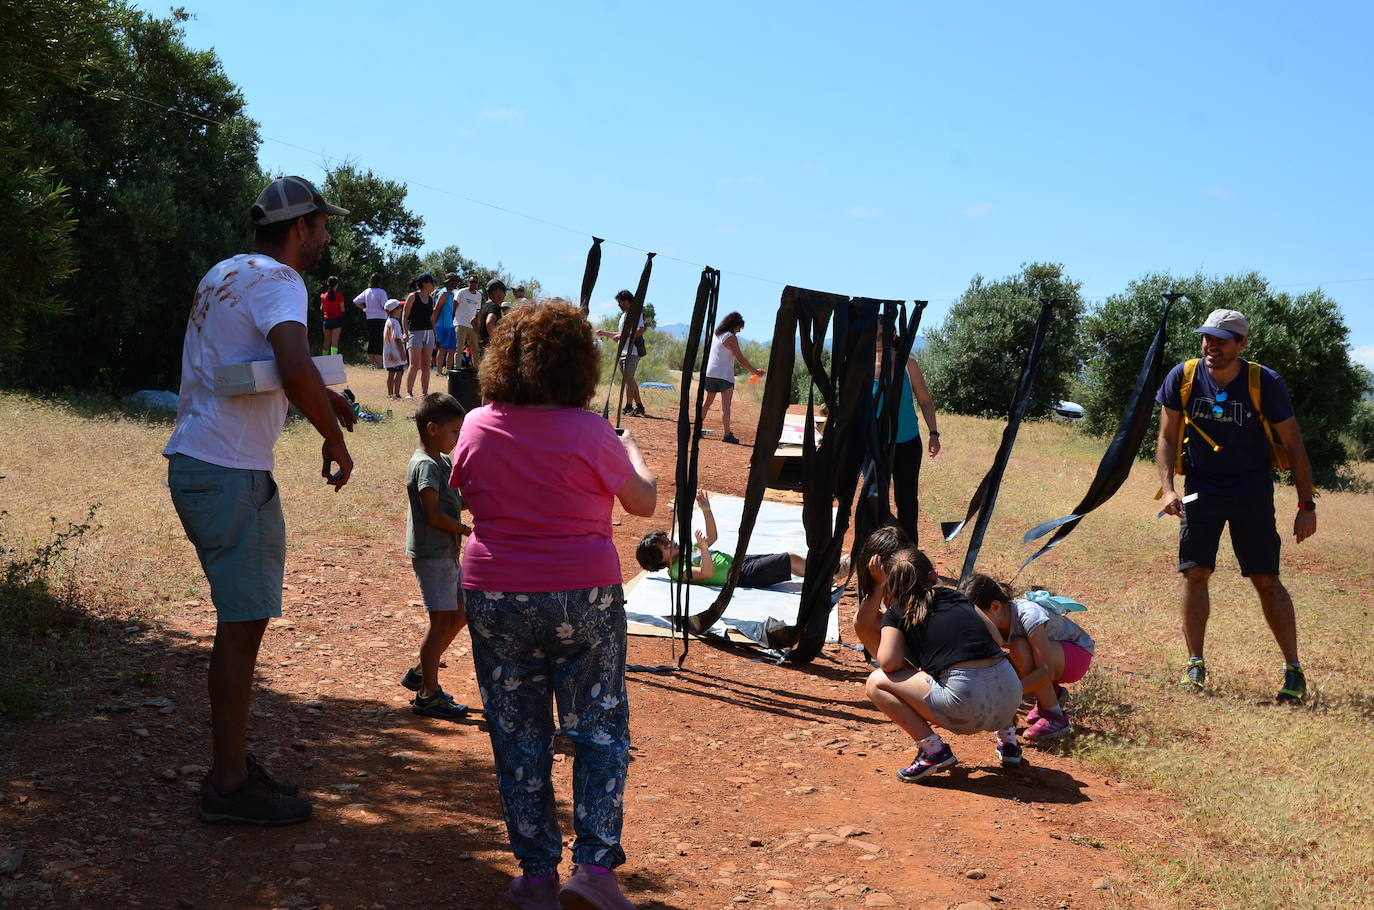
x=1276 y=802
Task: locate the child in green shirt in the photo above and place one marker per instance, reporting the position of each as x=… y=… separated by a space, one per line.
x=433 y=535
x=657 y=550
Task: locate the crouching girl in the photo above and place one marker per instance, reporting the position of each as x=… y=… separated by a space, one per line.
x=957 y=677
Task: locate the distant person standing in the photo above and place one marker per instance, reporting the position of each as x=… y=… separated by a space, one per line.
x=1231 y=408
x=520 y=298
x=418 y=320
x=468 y=302
x=373 y=303
x=445 y=339
x=492 y=310
x=332 y=313
x=720 y=370
x=906 y=461
x=631 y=353
x=219 y=467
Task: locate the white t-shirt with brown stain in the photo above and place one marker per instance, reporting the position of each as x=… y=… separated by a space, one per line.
x=238 y=303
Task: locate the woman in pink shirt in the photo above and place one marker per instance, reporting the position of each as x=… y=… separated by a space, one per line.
x=540 y=476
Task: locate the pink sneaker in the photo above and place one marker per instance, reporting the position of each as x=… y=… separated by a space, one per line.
x=1048 y=726
x=590 y=891
x=528 y=894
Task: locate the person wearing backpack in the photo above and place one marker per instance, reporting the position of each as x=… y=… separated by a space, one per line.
x=1226 y=423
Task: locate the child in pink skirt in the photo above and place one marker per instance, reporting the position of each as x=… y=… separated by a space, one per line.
x=1048 y=649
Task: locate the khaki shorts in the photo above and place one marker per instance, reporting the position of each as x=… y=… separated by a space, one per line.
x=234 y=519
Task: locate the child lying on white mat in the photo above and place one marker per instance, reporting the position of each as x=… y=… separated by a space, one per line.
x=657 y=550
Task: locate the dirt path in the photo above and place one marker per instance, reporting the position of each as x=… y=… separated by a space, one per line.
x=752 y=784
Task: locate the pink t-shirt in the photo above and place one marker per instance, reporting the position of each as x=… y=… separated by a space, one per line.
x=540 y=484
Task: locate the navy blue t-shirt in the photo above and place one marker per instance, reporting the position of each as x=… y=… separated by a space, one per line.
x=1242 y=466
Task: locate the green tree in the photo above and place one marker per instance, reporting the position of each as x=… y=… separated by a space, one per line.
x=46 y=47
x=157 y=196
x=1303 y=337
x=973 y=360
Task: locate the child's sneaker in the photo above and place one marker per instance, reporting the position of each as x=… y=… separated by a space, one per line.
x=1009 y=754
x=1195 y=676
x=1050 y=725
x=1061 y=695
x=534 y=894
x=412 y=680
x=927 y=764
x=588 y=890
x=1294 y=686
x=439 y=704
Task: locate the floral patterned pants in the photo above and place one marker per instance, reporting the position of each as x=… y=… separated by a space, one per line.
x=569 y=645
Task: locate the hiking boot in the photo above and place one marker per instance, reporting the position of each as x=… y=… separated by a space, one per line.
x=927 y=764
x=255 y=803
x=1195 y=676
x=730 y=438
x=439 y=704
x=1294 y=690
x=1050 y=725
x=588 y=890
x=1009 y=754
x=529 y=894
x=412 y=680
x=255 y=769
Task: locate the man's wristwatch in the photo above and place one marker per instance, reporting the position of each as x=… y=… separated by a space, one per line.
x=934 y=432
x=1307 y=504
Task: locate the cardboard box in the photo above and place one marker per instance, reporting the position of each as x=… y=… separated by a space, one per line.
x=261 y=375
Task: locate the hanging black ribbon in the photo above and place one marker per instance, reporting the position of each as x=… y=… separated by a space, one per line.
x=830 y=472
x=1116 y=462
x=874 y=509
x=630 y=321
x=985 y=497
x=694 y=360
x=590 y=273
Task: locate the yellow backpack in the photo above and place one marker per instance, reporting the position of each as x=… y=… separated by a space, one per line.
x=1278 y=455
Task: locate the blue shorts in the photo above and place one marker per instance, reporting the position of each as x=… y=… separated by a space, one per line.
x=234 y=519
x=445 y=336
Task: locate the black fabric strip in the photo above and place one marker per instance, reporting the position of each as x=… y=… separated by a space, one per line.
x=590 y=273
x=631 y=324
x=689 y=441
x=985 y=498
x=1117 y=461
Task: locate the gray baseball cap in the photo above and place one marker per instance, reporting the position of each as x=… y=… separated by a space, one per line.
x=287 y=198
x=1224 y=324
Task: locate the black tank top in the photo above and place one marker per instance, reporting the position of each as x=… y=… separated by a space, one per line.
x=951 y=634
x=421 y=313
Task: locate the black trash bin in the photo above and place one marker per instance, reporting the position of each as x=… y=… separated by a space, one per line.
x=462 y=384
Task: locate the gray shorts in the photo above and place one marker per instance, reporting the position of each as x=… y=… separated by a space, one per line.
x=441 y=583
x=712 y=384
x=421 y=340
x=234 y=519
x=629 y=363
x=972 y=701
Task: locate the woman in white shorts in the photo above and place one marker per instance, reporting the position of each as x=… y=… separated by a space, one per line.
x=720 y=370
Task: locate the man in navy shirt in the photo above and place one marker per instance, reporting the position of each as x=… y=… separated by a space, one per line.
x=1229 y=481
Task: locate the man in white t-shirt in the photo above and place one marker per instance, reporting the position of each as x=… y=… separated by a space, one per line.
x=469 y=301
x=634 y=349
x=219 y=467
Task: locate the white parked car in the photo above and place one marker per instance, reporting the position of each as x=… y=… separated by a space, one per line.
x=1067 y=412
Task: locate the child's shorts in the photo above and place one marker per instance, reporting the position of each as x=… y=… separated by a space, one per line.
x=972 y=701
x=396 y=369
x=441 y=583
x=765 y=570
x=1076 y=662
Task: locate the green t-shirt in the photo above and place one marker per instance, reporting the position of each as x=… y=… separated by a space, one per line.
x=423 y=540
x=720 y=569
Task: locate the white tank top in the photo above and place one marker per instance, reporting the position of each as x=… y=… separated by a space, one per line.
x=721 y=363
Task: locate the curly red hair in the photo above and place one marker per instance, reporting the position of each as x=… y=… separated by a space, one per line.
x=542 y=354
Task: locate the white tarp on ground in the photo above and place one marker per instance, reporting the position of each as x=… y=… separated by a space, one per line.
x=649 y=602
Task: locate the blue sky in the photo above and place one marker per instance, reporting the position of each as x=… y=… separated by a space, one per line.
x=881 y=149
